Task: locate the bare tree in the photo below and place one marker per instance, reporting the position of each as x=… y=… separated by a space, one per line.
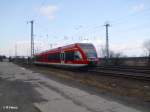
x=116 y=58
x=103 y=51
x=146 y=45
x=116 y=55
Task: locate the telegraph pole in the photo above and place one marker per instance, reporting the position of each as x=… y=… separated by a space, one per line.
x=32 y=39
x=107 y=40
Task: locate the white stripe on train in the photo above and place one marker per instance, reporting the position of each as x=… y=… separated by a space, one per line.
x=62 y=64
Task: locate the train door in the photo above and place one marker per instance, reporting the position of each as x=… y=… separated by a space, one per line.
x=62 y=58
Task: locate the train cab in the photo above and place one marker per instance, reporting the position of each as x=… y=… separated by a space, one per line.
x=90 y=53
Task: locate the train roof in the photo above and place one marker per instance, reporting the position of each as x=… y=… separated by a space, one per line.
x=63 y=47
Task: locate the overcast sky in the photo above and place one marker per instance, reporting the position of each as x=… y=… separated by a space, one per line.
x=61 y=22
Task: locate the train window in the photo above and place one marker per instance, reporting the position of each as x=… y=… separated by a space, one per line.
x=77 y=55
x=57 y=56
x=50 y=57
x=38 y=58
x=69 y=56
x=54 y=57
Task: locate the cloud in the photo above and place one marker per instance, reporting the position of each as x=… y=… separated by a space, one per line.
x=138 y=7
x=49 y=11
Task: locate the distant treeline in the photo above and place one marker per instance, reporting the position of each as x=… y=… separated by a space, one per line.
x=2 y=57
x=129 y=61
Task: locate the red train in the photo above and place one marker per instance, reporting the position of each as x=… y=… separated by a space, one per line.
x=75 y=55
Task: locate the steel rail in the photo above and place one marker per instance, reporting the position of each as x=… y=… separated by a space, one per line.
x=121 y=73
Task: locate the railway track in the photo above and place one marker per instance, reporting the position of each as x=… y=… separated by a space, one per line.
x=135 y=69
x=140 y=73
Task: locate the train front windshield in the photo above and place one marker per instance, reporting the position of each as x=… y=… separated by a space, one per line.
x=89 y=50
